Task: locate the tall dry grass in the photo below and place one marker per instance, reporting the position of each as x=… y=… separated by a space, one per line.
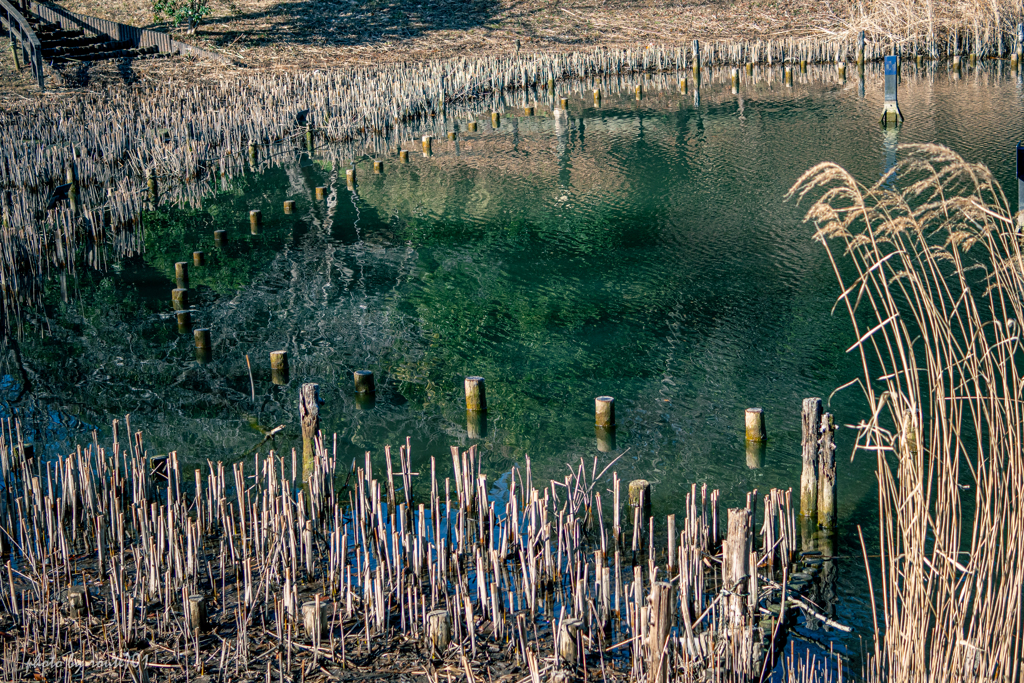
x=940 y=27
x=933 y=281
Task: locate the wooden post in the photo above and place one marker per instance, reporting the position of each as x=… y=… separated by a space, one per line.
x=279 y=370
x=255 y=221
x=755 y=430
x=309 y=416
x=220 y=238
x=314 y=620
x=403 y=156
x=827 y=478
x=204 y=351
x=735 y=80
x=350 y=177
x=528 y=111
x=197 y=612
x=640 y=496
x=254 y=154
x=179 y=299
x=78 y=601
x=453 y=135
x=181 y=274
x=198 y=258
x=321 y=192
x=860 y=49
x=476 y=398
x=495 y=120
x=289 y=206
x=184 y=322
x=809 y=476
x=604 y=411
x=605 y=438
x=736 y=564
x=563 y=103
x=696 y=58
x=684 y=86
x=788 y=73
x=662 y=600
x=755 y=454
x=364 y=381
x=153 y=186
x=597 y=98
x=378 y=167
x=568 y=652
x=476 y=424
x=439 y=632
x=428 y=140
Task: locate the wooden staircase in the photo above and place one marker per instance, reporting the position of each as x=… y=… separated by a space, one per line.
x=61 y=45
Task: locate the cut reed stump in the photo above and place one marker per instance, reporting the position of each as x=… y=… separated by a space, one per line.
x=811 y=422
x=309 y=416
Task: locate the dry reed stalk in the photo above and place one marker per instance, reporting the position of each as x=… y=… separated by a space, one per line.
x=936 y=296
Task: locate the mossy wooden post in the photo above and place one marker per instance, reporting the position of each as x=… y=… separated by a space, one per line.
x=696 y=58
x=321 y=193
x=476 y=396
x=179 y=299
x=204 y=351
x=254 y=154
x=754 y=425
x=364 y=381
x=279 y=370
x=255 y=221
x=811 y=421
x=181 y=274
x=662 y=600
x=495 y=120
x=403 y=156
x=197 y=612
x=428 y=141
x=755 y=454
x=198 y=258
x=604 y=411
x=640 y=497
x=439 y=633
x=827 y=475
x=309 y=416
x=378 y=167
x=184 y=322
x=289 y=206
x=220 y=238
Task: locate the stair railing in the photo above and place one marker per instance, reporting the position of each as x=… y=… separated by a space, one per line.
x=18 y=27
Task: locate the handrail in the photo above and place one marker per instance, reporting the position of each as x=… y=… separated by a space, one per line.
x=31 y=48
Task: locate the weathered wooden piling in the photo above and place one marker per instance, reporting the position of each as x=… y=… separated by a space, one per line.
x=255 y=221
x=403 y=156
x=181 y=274
x=827 y=475
x=198 y=258
x=476 y=424
x=605 y=438
x=640 y=497
x=350 y=177
x=604 y=411
x=220 y=238
x=597 y=97
x=528 y=111
x=662 y=603
x=378 y=167
x=204 y=350
x=179 y=299
x=279 y=370
x=309 y=418
x=754 y=423
x=289 y=206
x=78 y=602
x=197 y=612
x=755 y=454
x=788 y=76
x=684 y=86
x=364 y=382
x=314 y=619
x=439 y=632
x=736 y=564
x=811 y=424
x=428 y=142
x=476 y=397
x=735 y=81
x=495 y=120
x=563 y=103
x=184 y=322
x=471 y=126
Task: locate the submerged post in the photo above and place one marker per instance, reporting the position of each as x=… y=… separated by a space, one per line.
x=279 y=367
x=476 y=398
x=364 y=381
x=754 y=419
x=604 y=411
x=289 y=206
x=809 y=476
x=204 y=350
x=891 y=113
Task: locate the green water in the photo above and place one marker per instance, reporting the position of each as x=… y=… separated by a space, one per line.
x=640 y=249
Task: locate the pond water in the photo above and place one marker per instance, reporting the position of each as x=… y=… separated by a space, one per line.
x=640 y=249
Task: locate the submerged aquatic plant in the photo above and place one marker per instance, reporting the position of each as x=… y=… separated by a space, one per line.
x=936 y=299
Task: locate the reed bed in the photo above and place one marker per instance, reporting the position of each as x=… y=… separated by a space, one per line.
x=936 y=296
x=281 y=570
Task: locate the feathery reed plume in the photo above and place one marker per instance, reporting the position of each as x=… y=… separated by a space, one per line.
x=936 y=295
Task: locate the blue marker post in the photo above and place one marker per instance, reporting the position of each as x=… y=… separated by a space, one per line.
x=891 y=109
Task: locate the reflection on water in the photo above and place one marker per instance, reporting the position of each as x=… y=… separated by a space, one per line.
x=637 y=248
